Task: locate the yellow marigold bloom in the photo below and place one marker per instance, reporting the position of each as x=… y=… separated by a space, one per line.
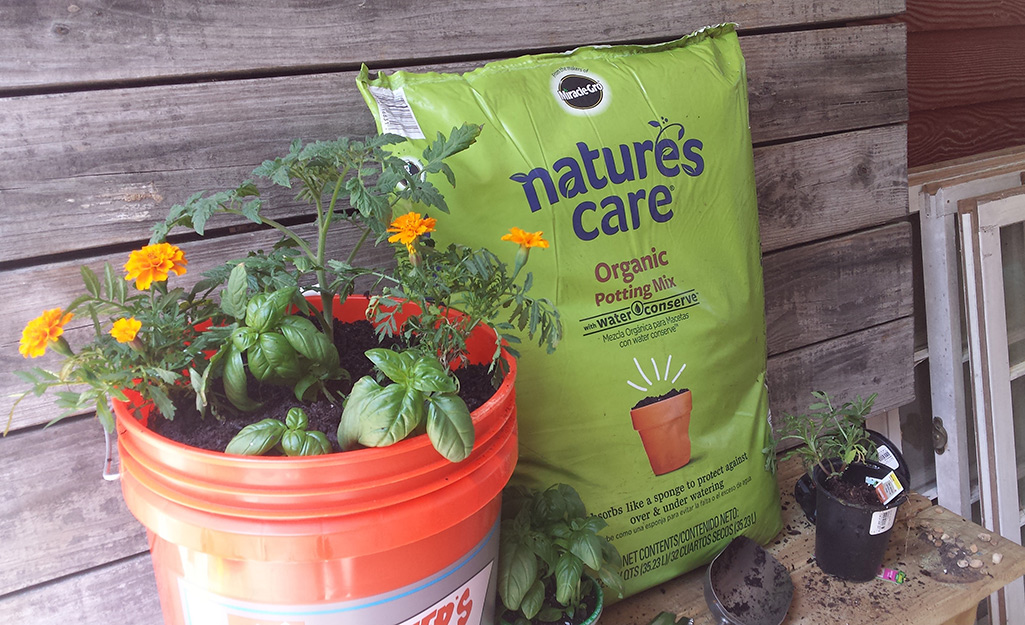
x=41 y=331
x=124 y=330
x=410 y=227
x=153 y=263
x=525 y=239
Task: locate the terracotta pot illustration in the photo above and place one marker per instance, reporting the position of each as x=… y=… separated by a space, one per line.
x=664 y=427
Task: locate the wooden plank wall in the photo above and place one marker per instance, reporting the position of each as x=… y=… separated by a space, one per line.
x=966 y=78
x=111 y=112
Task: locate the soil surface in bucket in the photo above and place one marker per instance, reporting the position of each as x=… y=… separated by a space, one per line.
x=352 y=340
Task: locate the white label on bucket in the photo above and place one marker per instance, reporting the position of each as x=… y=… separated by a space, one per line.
x=882 y=521
x=463 y=606
x=396 y=115
x=459 y=594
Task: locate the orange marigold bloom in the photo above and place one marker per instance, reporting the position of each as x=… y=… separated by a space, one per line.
x=410 y=227
x=124 y=330
x=41 y=331
x=525 y=239
x=153 y=263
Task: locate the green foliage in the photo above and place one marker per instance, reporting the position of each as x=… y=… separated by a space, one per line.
x=264 y=329
x=548 y=541
x=828 y=432
x=477 y=284
x=154 y=363
x=355 y=182
x=274 y=346
x=421 y=392
x=291 y=437
x=344 y=180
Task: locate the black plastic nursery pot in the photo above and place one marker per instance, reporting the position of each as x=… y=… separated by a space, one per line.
x=889 y=454
x=851 y=539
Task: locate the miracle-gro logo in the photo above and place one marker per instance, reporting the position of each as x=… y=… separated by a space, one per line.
x=580 y=92
x=591 y=169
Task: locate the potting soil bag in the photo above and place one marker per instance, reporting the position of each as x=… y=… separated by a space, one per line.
x=636 y=164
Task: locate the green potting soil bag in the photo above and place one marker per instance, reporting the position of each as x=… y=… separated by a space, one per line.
x=636 y=164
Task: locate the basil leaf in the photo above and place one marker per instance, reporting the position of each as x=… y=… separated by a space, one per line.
x=306 y=339
x=243 y=338
x=393 y=364
x=265 y=311
x=568 y=571
x=256 y=438
x=234 y=297
x=367 y=398
x=586 y=546
x=296 y=419
x=517 y=570
x=317 y=443
x=428 y=375
x=235 y=381
x=393 y=417
x=449 y=426
x=533 y=600
x=272 y=358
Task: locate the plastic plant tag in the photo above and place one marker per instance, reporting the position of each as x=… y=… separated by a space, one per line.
x=887 y=488
x=882 y=521
x=886 y=457
x=892 y=575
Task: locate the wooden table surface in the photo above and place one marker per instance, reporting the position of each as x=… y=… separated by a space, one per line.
x=922 y=544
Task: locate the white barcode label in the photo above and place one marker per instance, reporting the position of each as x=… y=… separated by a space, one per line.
x=886 y=488
x=882 y=521
x=886 y=457
x=396 y=115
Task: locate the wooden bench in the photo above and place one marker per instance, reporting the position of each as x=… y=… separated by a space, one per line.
x=927 y=597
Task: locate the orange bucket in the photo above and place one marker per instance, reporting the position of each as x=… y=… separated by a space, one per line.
x=385 y=536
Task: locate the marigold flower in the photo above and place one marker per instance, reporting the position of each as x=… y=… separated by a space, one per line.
x=525 y=239
x=124 y=330
x=410 y=227
x=153 y=263
x=41 y=331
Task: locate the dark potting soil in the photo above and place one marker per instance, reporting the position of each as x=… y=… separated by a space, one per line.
x=352 y=340
x=647 y=401
x=859 y=494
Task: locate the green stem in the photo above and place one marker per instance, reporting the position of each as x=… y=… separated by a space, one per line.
x=285 y=231
x=359 y=244
x=324 y=218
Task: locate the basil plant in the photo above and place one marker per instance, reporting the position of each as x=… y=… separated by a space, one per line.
x=274 y=345
x=290 y=438
x=550 y=556
x=422 y=393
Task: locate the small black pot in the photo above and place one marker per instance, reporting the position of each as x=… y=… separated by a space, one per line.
x=804 y=488
x=850 y=539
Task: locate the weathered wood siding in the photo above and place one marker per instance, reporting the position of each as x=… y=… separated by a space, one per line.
x=112 y=112
x=966 y=78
